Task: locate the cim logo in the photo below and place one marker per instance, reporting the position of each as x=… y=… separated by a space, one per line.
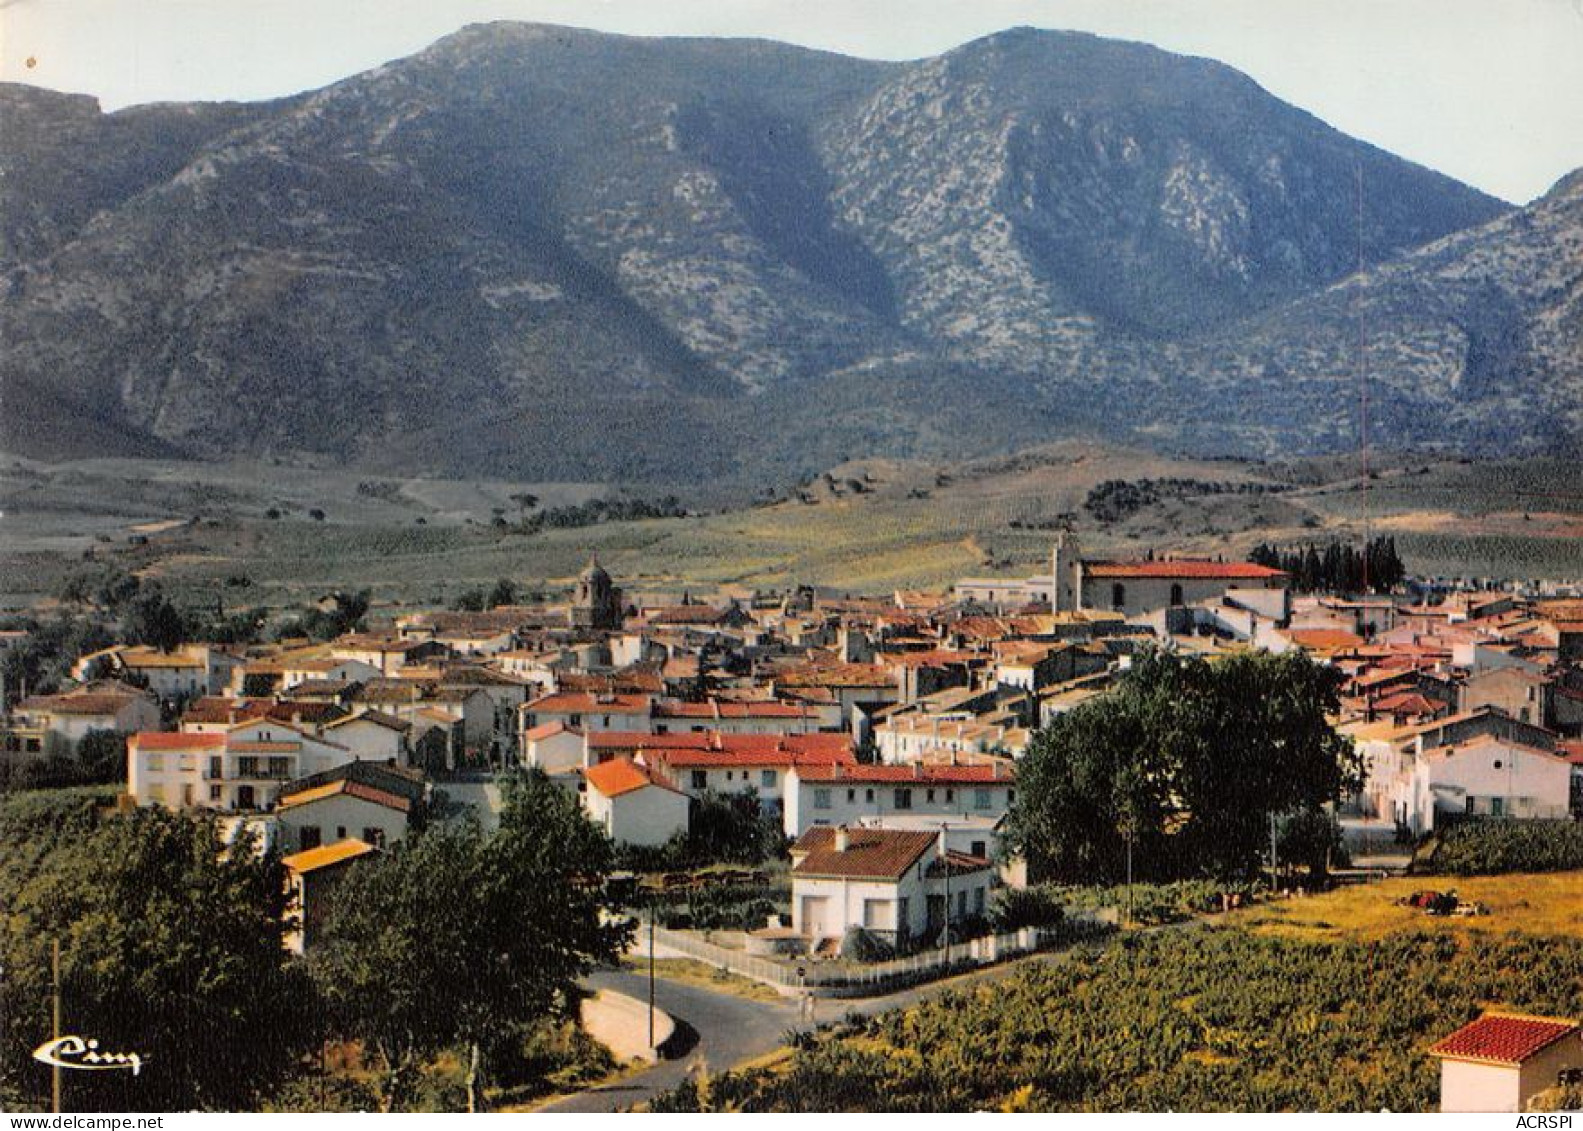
x=84 y=1056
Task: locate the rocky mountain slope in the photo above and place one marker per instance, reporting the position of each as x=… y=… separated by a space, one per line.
x=542 y=252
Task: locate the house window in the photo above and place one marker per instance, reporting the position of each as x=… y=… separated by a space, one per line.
x=929 y=796
x=981 y=799
x=977 y=848
x=868 y=796
x=340 y=832
x=1118 y=596
x=700 y=779
x=279 y=768
x=978 y=901
x=879 y=914
x=950 y=796
x=214 y=793
x=309 y=837
x=244 y=797
x=904 y=799
x=767 y=779
x=821 y=799
x=1497 y=806
x=247 y=766
x=1176 y=595
x=851 y=796
x=373 y=836
x=1469 y=803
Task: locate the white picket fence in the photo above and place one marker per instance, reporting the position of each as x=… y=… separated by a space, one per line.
x=853 y=979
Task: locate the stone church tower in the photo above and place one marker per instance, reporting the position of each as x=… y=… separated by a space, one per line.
x=598 y=602
x=1066 y=575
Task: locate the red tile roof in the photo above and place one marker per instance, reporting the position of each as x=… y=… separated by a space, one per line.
x=714 y=749
x=163 y=740
x=583 y=702
x=731 y=710
x=1323 y=639
x=90 y=704
x=922 y=773
x=1183 y=570
x=1503 y=1038
x=327 y=855
x=880 y=854
x=622 y=775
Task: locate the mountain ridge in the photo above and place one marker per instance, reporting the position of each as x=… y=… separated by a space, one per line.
x=545 y=251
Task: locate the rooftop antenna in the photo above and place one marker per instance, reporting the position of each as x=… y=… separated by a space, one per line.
x=1363 y=380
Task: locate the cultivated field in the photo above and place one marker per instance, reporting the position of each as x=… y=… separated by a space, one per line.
x=865 y=526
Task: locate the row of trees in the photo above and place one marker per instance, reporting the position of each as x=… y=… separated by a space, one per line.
x=1338 y=567
x=172 y=946
x=1183 y=768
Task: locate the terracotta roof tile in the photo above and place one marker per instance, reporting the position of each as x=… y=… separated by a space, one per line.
x=1185 y=570
x=1501 y=1038
x=883 y=854
x=327 y=855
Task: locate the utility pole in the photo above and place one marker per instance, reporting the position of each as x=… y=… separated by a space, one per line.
x=651 y=974
x=1272 y=852
x=54 y=1005
x=1129 y=875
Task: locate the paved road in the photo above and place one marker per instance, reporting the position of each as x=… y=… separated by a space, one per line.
x=728 y=1031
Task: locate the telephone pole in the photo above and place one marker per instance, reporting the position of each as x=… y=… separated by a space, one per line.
x=54 y=1006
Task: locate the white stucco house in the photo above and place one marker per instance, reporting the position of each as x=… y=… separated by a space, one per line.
x=336 y=810
x=1501 y=1061
x=899 y=884
x=633 y=804
x=832 y=795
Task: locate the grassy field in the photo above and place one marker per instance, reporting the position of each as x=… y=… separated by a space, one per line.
x=701 y=974
x=1545 y=904
x=867 y=526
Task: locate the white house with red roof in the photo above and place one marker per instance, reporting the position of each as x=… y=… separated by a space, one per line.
x=726 y=763
x=553 y=747
x=103 y=705
x=845 y=794
x=336 y=810
x=239 y=768
x=1500 y=1062
x=633 y=804
x=586 y=711
x=900 y=885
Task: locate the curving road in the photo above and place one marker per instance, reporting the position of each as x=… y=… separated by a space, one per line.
x=728 y=1031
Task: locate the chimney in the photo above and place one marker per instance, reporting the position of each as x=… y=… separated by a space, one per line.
x=842 y=840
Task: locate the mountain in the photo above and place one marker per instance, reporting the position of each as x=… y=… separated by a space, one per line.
x=549 y=253
x=1472 y=343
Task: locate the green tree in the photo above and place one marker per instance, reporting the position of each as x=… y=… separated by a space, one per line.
x=152 y=619
x=461 y=940
x=1192 y=758
x=171 y=946
x=504 y=593
x=101 y=755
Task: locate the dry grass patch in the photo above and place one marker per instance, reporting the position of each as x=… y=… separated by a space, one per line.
x=1543 y=904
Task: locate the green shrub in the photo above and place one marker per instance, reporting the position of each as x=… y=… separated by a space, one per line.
x=1489 y=846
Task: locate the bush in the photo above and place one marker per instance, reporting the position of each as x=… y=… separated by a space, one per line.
x=1489 y=846
x=1016 y=908
x=1152 y=904
x=863 y=946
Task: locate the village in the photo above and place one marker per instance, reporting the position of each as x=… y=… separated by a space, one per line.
x=812 y=790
